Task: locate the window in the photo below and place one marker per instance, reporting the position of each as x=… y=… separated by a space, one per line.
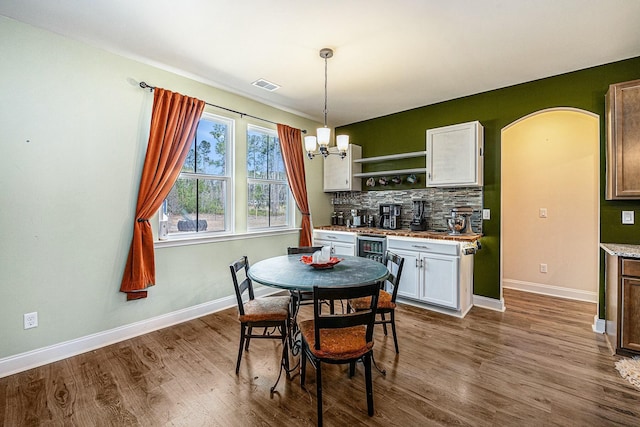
x=200 y=200
x=268 y=197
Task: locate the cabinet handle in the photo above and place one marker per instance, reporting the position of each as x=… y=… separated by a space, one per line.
x=420 y=246
x=421 y=263
x=417 y=266
x=332 y=237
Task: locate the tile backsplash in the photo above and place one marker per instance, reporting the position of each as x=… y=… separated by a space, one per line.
x=439 y=202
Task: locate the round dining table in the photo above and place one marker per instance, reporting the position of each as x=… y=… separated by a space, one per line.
x=289 y=272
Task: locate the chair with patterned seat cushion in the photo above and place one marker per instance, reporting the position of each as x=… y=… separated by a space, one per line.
x=339 y=338
x=270 y=313
x=387 y=299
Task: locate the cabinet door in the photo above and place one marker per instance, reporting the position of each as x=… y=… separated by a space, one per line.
x=409 y=279
x=454 y=155
x=623 y=140
x=338 y=172
x=343 y=249
x=439 y=280
x=630 y=316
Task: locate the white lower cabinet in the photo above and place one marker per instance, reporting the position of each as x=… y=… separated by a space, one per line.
x=341 y=243
x=435 y=273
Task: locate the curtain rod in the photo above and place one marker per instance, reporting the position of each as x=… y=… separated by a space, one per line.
x=144 y=85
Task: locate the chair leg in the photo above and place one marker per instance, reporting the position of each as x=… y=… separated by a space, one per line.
x=246 y=347
x=393 y=329
x=369 y=383
x=319 y=390
x=303 y=365
x=285 y=349
x=242 y=337
x=384 y=324
x=352 y=369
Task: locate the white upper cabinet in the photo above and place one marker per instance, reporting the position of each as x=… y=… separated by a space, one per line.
x=455 y=155
x=339 y=173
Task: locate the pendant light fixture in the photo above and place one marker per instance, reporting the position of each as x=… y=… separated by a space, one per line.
x=324 y=133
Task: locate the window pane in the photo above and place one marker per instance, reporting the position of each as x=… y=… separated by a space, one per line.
x=207 y=195
x=181 y=206
x=211 y=197
x=276 y=164
x=208 y=154
x=278 y=205
x=257 y=154
x=258 y=206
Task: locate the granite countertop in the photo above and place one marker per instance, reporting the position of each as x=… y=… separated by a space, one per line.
x=441 y=235
x=624 y=250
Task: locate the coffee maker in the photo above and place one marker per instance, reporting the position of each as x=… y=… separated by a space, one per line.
x=419 y=221
x=390 y=216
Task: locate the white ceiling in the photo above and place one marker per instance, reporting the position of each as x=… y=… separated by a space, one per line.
x=390 y=55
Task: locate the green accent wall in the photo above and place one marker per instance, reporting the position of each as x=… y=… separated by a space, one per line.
x=584 y=89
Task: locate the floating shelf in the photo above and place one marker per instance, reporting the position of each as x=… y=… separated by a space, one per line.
x=391 y=157
x=393 y=172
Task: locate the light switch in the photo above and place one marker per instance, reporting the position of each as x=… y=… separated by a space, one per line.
x=486 y=213
x=627 y=217
x=543 y=212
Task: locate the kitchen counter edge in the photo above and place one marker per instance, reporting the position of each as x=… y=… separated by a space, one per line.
x=623 y=250
x=440 y=235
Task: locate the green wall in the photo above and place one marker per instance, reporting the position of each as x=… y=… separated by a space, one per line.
x=585 y=89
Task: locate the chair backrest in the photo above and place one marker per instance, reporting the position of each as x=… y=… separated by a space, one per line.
x=293 y=250
x=242 y=264
x=394 y=263
x=343 y=320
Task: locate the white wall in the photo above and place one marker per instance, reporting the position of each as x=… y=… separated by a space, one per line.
x=73 y=133
x=550 y=160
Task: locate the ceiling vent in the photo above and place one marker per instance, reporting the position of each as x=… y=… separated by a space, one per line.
x=266 y=85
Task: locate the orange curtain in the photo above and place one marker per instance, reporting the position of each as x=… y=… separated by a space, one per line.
x=173 y=126
x=291 y=146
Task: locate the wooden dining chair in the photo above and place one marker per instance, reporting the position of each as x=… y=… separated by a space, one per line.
x=387 y=298
x=270 y=313
x=339 y=338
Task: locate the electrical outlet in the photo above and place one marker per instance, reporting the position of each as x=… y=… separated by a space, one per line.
x=543 y=268
x=31 y=320
x=486 y=213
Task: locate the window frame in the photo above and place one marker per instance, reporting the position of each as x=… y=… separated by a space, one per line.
x=229 y=182
x=290 y=210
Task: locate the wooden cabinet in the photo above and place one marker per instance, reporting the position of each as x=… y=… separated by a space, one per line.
x=435 y=273
x=455 y=155
x=630 y=305
x=622 y=104
x=341 y=243
x=622 y=309
x=339 y=172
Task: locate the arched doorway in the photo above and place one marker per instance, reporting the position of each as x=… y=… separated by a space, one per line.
x=550 y=180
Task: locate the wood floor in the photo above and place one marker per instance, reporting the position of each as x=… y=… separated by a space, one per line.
x=537 y=364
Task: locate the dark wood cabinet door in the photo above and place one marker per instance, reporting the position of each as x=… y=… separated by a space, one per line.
x=630 y=316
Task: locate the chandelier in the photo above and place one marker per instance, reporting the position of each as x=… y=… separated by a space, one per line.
x=324 y=133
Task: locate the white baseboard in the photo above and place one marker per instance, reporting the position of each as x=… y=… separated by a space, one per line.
x=489 y=303
x=42 y=356
x=550 y=290
x=598 y=325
